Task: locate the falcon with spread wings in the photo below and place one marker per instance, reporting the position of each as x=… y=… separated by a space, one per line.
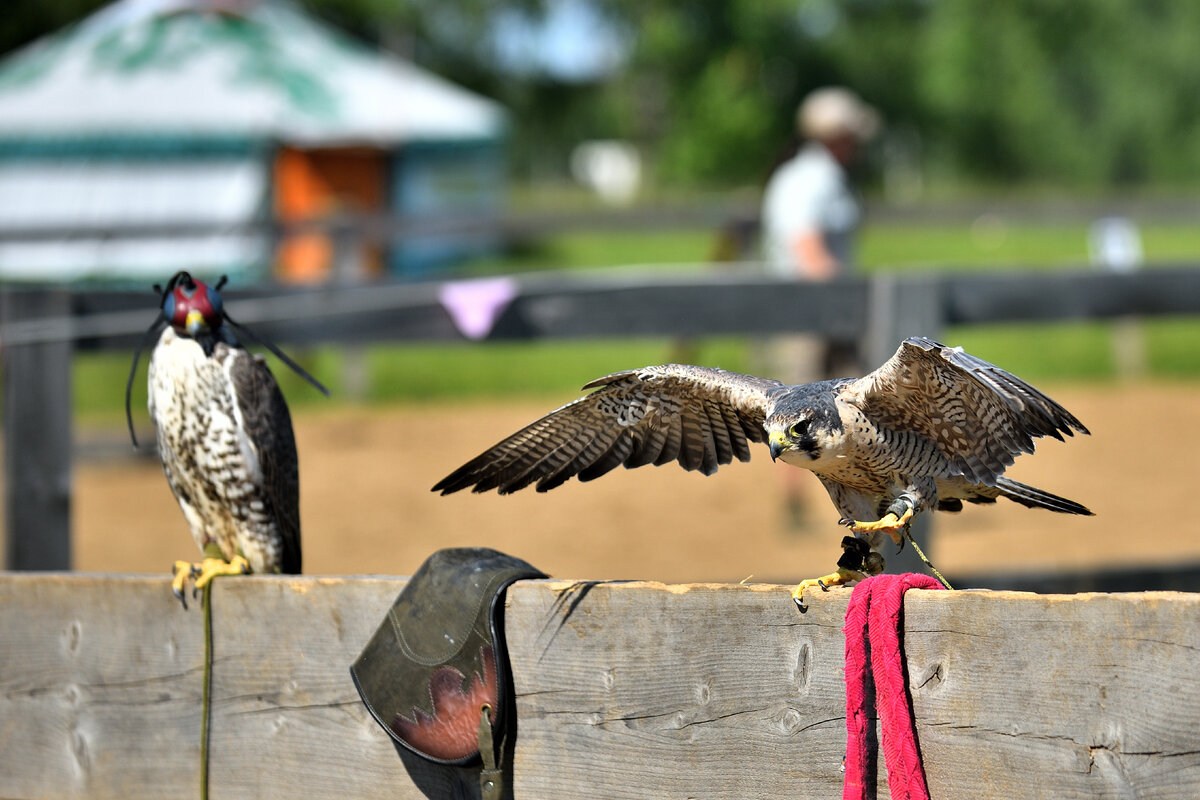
x=932 y=427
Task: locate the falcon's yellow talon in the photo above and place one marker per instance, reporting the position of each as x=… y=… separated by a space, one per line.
x=887 y=523
x=203 y=573
x=894 y=526
x=181 y=572
x=213 y=567
x=838 y=578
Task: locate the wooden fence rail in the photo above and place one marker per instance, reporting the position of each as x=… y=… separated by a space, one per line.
x=629 y=690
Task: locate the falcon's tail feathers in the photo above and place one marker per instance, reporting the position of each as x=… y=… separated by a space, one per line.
x=1033 y=497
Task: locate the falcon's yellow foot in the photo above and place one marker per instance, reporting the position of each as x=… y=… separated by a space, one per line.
x=838 y=578
x=209 y=568
x=213 y=567
x=891 y=524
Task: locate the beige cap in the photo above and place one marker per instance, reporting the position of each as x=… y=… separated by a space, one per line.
x=835 y=111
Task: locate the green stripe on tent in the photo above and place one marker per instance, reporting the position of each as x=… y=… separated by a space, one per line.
x=130 y=147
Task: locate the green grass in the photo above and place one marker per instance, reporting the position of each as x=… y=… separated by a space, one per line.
x=538 y=369
x=589 y=250
x=996 y=243
x=991 y=242
x=1173 y=347
x=554 y=371
x=959 y=247
x=1077 y=351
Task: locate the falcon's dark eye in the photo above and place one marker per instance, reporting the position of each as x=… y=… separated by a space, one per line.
x=798 y=429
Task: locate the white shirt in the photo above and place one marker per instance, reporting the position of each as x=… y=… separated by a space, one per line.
x=809 y=192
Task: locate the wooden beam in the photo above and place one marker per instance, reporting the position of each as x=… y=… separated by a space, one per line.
x=37 y=437
x=687 y=305
x=647 y=691
x=102 y=680
x=621 y=304
x=1058 y=695
x=623 y=690
x=100 y=688
x=1061 y=296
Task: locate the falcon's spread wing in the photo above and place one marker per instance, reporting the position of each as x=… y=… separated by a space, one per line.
x=699 y=416
x=268 y=425
x=980 y=416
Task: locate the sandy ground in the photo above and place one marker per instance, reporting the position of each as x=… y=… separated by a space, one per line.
x=367 y=508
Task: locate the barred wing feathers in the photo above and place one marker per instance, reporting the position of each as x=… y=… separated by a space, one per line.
x=700 y=417
x=268 y=425
x=979 y=415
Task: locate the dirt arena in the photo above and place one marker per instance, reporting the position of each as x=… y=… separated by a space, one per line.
x=367 y=508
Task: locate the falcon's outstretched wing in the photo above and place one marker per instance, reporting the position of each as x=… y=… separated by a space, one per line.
x=699 y=416
x=979 y=415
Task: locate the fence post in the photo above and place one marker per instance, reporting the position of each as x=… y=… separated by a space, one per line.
x=37 y=437
x=899 y=307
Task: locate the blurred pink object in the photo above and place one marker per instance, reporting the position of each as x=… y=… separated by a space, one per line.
x=475 y=305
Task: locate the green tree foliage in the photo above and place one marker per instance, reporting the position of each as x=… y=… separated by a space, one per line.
x=734 y=72
x=1054 y=90
x=1043 y=91
x=714 y=80
x=25 y=20
x=1063 y=92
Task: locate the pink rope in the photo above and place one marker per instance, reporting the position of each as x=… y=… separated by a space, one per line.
x=874 y=615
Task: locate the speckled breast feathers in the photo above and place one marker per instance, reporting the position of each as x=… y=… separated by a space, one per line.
x=225 y=439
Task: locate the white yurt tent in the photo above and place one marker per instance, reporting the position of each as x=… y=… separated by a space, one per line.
x=212 y=116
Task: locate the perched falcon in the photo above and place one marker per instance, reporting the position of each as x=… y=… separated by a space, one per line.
x=225 y=439
x=932 y=427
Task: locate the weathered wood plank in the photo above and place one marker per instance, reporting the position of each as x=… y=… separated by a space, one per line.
x=287 y=721
x=1089 y=696
x=698 y=692
x=101 y=681
x=638 y=690
x=624 y=690
x=99 y=688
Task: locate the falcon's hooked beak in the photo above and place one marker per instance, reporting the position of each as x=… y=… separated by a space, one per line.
x=777 y=441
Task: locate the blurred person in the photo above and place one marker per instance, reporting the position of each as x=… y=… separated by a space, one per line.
x=810 y=215
x=810 y=218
